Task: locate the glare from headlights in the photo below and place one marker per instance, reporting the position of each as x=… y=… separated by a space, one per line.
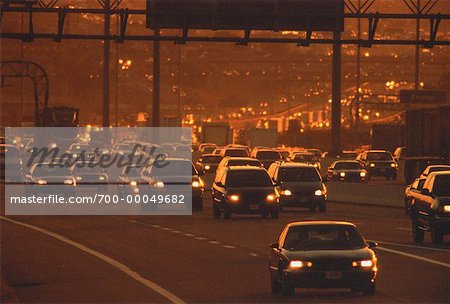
x=196 y=184
x=372 y=165
x=136 y=190
x=342 y=174
x=363 y=263
x=318 y=192
x=234 y=198
x=101 y=177
x=79 y=178
x=42 y=182
x=133 y=183
x=159 y=184
x=68 y=182
x=393 y=165
x=287 y=192
x=362 y=174
x=271 y=197
x=447 y=208
x=296 y=264
x=207 y=167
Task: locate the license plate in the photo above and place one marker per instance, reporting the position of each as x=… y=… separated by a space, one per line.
x=333 y=275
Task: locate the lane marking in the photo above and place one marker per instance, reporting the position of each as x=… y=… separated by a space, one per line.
x=214 y=242
x=413 y=256
x=188 y=234
x=253 y=254
x=200 y=238
x=175 y=231
x=229 y=246
x=403 y=228
x=116 y=264
x=167 y=229
x=133 y=221
x=413 y=246
x=156 y=226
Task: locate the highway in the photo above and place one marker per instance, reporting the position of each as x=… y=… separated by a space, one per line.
x=199 y=259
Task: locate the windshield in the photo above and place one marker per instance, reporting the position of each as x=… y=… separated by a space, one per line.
x=173 y=168
x=306 y=174
x=54 y=170
x=132 y=171
x=248 y=178
x=244 y=162
x=437 y=169
x=80 y=169
x=209 y=149
x=381 y=156
x=305 y=158
x=212 y=159
x=236 y=153
x=323 y=237
x=348 y=166
x=442 y=185
x=268 y=155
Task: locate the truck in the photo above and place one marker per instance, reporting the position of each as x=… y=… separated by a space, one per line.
x=262 y=137
x=219 y=133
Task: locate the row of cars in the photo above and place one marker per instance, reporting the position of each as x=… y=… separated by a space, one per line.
x=427 y=202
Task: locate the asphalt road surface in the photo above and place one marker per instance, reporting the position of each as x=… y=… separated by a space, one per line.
x=199 y=259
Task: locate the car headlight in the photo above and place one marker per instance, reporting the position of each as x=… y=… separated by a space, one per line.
x=393 y=165
x=299 y=264
x=315 y=165
x=68 y=182
x=196 y=184
x=372 y=165
x=207 y=167
x=79 y=178
x=446 y=208
x=101 y=177
x=133 y=183
x=42 y=182
x=362 y=174
x=234 y=198
x=271 y=197
x=342 y=174
x=136 y=190
x=318 y=192
x=364 y=263
x=159 y=184
x=286 y=192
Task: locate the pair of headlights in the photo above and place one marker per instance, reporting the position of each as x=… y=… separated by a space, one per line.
x=272 y=197
x=362 y=174
x=318 y=192
x=301 y=264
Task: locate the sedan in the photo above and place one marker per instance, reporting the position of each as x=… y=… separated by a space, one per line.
x=347 y=170
x=322 y=254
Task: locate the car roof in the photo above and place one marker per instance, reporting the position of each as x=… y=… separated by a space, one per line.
x=347 y=161
x=436 y=166
x=211 y=155
x=438 y=173
x=296 y=165
x=313 y=223
x=239 y=158
x=377 y=151
x=248 y=168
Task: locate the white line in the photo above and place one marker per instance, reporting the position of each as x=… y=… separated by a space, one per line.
x=403 y=228
x=214 y=242
x=253 y=254
x=133 y=221
x=116 y=264
x=188 y=234
x=175 y=231
x=229 y=246
x=166 y=228
x=156 y=226
x=200 y=238
x=413 y=246
x=414 y=256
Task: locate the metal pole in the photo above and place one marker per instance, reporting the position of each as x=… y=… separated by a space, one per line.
x=417 y=68
x=336 y=97
x=106 y=65
x=358 y=70
x=180 y=115
x=116 y=106
x=156 y=81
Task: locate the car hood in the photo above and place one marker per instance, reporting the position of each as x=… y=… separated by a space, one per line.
x=307 y=255
x=249 y=190
x=306 y=186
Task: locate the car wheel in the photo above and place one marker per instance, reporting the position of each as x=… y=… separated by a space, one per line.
x=322 y=207
x=216 y=212
x=437 y=237
x=287 y=287
x=275 y=286
x=274 y=213
x=369 y=289
x=418 y=234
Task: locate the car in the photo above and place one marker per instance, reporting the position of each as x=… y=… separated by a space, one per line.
x=430 y=211
x=434 y=168
x=234 y=152
x=81 y=150
x=266 y=156
x=175 y=173
x=89 y=174
x=412 y=191
x=208 y=163
x=322 y=254
x=50 y=173
x=217 y=151
x=299 y=185
x=316 y=152
x=207 y=148
x=378 y=163
x=346 y=170
x=347 y=154
x=284 y=153
x=306 y=157
x=244 y=190
x=130 y=181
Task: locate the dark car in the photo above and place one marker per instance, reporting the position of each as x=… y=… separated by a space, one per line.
x=174 y=173
x=299 y=185
x=322 y=254
x=234 y=152
x=89 y=175
x=430 y=211
x=244 y=190
x=347 y=170
x=208 y=163
x=378 y=163
x=411 y=191
x=307 y=158
x=267 y=156
x=130 y=181
x=434 y=168
x=53 y=174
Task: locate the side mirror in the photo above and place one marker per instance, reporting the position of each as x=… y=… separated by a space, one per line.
x=372 y=244
x=275 y=246
x=219 y=184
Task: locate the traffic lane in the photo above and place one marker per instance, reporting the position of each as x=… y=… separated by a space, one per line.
x=39 y=268
x=198 y=270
